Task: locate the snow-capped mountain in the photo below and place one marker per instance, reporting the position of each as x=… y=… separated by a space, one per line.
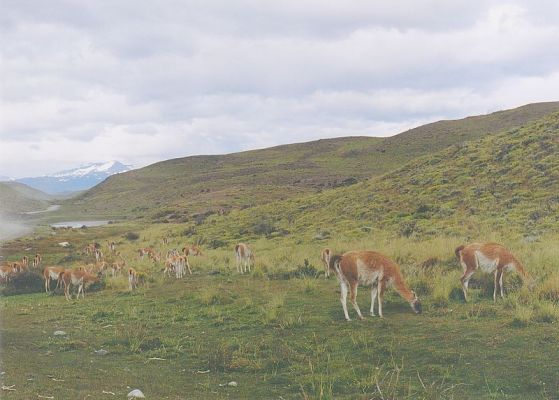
x=71 y=180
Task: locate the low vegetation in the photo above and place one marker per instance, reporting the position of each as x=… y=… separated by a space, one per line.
x=279 y=331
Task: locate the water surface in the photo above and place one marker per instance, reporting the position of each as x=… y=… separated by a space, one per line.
x=78 y=224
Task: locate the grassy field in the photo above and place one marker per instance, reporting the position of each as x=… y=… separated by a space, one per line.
x=279 y=332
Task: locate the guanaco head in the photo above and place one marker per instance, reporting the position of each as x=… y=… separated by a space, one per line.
x=415 y=304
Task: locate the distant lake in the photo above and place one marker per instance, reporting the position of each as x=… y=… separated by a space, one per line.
x=78 y=224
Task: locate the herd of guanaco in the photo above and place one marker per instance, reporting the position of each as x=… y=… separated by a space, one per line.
x=353 y=268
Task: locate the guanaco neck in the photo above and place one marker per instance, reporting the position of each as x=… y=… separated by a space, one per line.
x=401 y=288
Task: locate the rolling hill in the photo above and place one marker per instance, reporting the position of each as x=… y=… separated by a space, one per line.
x=180 y=189
x=503 y=182
x=17 y=198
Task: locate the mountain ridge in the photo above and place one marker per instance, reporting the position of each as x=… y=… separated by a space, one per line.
x=181 y=188
x=75 y=179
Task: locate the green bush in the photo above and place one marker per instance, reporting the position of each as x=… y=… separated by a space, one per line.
x=131 y=236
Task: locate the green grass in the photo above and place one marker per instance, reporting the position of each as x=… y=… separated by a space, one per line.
x=504 y=182
x=279 y=336
x=279 y=332
x=275 y=339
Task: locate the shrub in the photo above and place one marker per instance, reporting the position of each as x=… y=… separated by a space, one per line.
x=131 y=236
x=24 y=282
x=408 y=228
x=264 y=228
x=306 y=270
x=216 y=243
x=190 y=231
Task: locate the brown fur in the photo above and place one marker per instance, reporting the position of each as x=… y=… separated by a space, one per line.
x=37 y=260
x=78 y=278
x=50 y=273
x=325 y=258
x=132 y=278
x=7 y=271
x=471 y=258
x=369 y=268
x=244 y=257
x=191 y=250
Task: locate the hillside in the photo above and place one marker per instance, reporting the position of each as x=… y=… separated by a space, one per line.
x=16 y=198
x=503 y=182
x=180 y=188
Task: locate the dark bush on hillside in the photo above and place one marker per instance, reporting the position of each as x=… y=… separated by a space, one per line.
x=190 y=231
x=199 y=219
x=264 y=228
x=25 y=282
x=306 y=270
x=216 y=244
x=131 y=236
x=408 y=228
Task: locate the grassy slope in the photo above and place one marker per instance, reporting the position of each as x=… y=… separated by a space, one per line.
x=190 y=185
x=17 y=197
x=507 y=181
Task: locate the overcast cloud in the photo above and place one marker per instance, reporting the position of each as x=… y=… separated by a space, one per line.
x=145 y=81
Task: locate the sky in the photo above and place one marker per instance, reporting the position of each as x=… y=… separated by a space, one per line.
x=140 y=82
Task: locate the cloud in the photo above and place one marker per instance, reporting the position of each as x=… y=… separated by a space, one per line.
x=103 y=80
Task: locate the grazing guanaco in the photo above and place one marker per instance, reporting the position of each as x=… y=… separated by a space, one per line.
x=177 y=264
x=489 y=258
x=325 y=258
x=191 y=250
x=89 y=249
x=369 y=268
x=169 y=267
x=117 y=267
x=79 y=278
x=111 y=245
x=132 y=279
x=52 y=273
x=7 y=271
x=21 y=266
x=148 y=251
x=244 y=257
x=98 y=255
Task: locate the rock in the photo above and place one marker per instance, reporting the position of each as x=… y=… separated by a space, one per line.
x=136 y=394
x=232 y=383
x=59 y=333
x=64 y=244
x=101 y=352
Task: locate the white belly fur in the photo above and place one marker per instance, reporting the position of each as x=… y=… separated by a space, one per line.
x=366 y=275
x=53 y=275
x=486 y=264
